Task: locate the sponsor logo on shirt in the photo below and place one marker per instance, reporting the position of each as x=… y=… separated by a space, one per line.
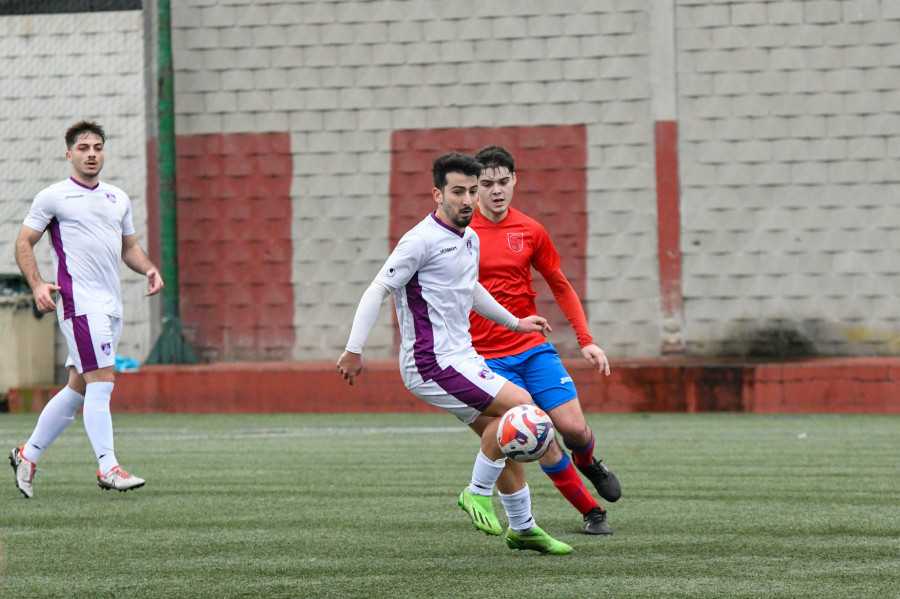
x=449 y=249
x=516 y=241
x=486 y=374
x=565 y=379
x=80 y=195
x=391 y=272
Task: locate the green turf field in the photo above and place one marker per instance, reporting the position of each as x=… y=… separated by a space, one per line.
x=338 y=506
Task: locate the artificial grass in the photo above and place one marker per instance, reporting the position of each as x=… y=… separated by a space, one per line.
x=339 y=506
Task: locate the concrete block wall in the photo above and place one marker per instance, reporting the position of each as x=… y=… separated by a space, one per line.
x=789 y=117
x=340 y=77
x=788 y=129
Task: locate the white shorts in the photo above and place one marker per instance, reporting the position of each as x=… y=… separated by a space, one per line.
x=92 y=339
x=465 y=388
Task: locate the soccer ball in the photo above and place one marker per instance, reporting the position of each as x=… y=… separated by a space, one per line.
x=525 y=433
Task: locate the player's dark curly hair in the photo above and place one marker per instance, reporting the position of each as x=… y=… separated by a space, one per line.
x=494 y=157
x=454 y=162
x=80 y=128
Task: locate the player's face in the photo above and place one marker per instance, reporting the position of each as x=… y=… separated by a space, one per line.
x=86 y=157
x=456 y=202
x=495 y=192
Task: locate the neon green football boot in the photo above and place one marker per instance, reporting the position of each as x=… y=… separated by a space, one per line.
x=536 y=540
x=481 y=511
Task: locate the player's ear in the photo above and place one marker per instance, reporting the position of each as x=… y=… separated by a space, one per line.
x=437 y=195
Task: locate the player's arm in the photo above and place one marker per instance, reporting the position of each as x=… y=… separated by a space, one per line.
x=24 y=253
x=350 y=362
x=135 y=258
x=484 y=304
x=568 y=302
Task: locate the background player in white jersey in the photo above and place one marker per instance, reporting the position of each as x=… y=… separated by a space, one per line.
x=90 y=231
x=433 y=277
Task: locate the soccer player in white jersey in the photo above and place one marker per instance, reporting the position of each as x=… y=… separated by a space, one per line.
x=433 y=277
x=90 y=231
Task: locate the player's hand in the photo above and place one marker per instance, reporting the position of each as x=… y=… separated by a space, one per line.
x=43 y=297
x=534 y=324
x=350 y=365
x=595 y=356
x=155 y=282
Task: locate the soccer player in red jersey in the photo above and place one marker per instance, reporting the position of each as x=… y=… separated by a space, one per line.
x=511 y=244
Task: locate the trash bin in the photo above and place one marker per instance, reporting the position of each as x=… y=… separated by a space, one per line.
x=27 y=337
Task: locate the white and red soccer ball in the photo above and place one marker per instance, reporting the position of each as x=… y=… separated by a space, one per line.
x=525 y=433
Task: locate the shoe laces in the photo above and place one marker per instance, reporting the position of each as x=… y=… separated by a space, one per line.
x=31 y=472
x=598 y=467
x=597 y=513
x=116 y=471
x=32 y=468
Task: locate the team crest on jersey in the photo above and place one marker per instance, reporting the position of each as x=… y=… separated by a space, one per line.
x=516 y=241
x=106 y=347
x=469 y=245
x=486 y=374
x=111 y=197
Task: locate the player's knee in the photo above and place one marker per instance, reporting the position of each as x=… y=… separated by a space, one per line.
x=510 y=396
x=518 y=395
x=575 y=432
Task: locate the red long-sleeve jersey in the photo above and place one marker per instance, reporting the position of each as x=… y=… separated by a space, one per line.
x=509 y=250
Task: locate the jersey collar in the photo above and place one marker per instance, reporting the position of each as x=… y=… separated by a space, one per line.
x=80 y=184
x=446 y=226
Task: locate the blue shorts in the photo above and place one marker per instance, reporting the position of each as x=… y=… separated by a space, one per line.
x=540 y=372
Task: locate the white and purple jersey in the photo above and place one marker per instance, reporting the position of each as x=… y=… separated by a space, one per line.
x=432 y=272
x=86 y=226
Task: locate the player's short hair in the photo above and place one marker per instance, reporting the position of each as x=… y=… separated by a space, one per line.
x=494 y=157
x=80 y=128
x=454 y=162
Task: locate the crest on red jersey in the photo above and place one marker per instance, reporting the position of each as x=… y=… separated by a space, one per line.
x=516 y=241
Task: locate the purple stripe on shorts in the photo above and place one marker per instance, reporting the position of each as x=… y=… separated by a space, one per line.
x=462 y=389
x=85 y=344
x=63 y=277
x=448 y=379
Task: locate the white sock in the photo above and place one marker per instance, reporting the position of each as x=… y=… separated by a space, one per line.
x=485 y=474
x=98 y=424
x=55 y=417
x=518 y=510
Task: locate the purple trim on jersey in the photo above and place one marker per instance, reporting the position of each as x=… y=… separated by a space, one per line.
x=423 y=347
x=427 y=365
x=82 y=332
x=63 y=276
x=80 y=184
x=445 y=225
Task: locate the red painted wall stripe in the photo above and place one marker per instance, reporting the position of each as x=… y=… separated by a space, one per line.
x=234 y=245
x=819 y=386
x=668 y=212
x=551 y=164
